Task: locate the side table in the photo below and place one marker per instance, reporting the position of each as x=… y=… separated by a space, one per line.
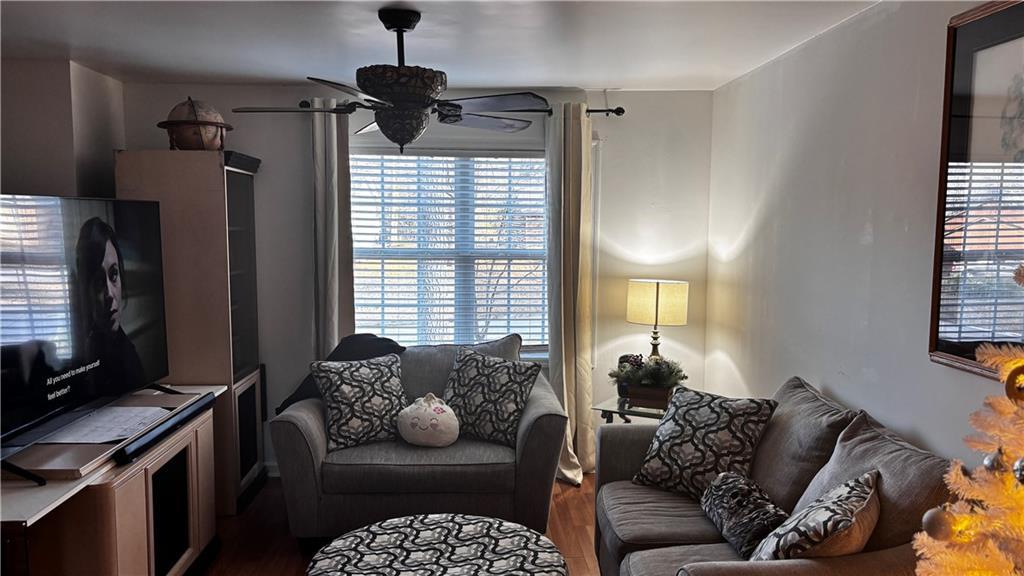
x=620 y=407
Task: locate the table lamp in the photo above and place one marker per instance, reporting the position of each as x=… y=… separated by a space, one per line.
x=657 y=303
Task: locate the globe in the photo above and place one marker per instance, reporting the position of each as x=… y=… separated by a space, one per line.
x=195 y=125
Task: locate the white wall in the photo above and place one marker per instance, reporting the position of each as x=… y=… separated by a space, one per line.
x=61 y=124
x=652 y=211
x=37 y=140
x=824 y=179
x=97 y=111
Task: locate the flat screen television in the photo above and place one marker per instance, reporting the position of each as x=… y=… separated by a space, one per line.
x=81 y=307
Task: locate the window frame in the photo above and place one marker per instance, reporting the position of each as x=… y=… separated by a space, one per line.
x=535 y=351
x=967 y=33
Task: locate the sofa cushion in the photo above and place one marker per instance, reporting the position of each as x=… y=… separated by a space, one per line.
x=910 y=480
x=633 y=517
x=837 y=524
x=668 y=561
x=741 y=510
x=362 y=398
x=798 y=441
x=700 y=436
x=467 y=466
x=425 y=369
x=489 y=394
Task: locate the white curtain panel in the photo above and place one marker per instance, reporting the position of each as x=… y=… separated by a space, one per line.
x=332 y=229
x=568 y=150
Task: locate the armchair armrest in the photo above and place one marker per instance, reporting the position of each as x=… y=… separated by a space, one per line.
x=300 y=445
x=538 y=447
x=620 y=451
x=897 y=561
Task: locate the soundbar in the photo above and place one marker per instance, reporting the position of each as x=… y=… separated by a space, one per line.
x=129 y=452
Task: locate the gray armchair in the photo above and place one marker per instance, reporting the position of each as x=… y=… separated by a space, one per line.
x=328 y=494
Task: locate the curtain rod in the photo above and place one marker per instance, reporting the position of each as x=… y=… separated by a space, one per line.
x=618 y=111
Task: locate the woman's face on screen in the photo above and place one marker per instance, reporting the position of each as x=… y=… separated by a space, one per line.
x=107 y=307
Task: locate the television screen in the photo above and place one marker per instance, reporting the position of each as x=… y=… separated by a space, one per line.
x=81 y=304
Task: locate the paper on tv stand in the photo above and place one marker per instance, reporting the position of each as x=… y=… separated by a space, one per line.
x=107 y=424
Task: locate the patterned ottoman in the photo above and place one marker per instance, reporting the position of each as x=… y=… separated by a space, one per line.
x=451 y=544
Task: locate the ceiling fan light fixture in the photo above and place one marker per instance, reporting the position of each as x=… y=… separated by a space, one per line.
x=402 y=85
x=411 y=89
x=402 y=126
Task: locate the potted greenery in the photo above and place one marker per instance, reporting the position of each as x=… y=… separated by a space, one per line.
x=647 y=383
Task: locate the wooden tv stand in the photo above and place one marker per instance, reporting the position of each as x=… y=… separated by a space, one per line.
x=150 y=517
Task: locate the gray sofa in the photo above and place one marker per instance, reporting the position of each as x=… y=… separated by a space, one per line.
x=328 y=494
x=809 y=443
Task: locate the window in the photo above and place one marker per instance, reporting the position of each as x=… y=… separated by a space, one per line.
x=982 y=246
x=450 y=249
x=34 y=279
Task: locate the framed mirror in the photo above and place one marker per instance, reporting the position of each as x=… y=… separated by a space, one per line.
x=978 y=280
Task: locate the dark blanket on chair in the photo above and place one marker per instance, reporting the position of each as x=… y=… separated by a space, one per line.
x=353 y=347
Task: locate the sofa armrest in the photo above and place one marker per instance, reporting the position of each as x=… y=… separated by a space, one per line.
x=897 y=561
x=620 y=451
x=538 y=447
x=300 y=445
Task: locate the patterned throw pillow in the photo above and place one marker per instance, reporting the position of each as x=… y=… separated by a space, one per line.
x=488 y=395
x=741 y=510
x=837 y=524
x=701 y=436
x=363 y=399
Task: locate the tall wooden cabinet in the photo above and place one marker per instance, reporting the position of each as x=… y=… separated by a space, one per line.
x=207 y=223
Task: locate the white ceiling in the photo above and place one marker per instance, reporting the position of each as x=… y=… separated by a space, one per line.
x=628 y=45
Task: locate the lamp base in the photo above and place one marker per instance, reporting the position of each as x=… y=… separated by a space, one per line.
x=655 y=341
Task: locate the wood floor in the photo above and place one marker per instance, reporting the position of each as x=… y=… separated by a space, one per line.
x=257 y=542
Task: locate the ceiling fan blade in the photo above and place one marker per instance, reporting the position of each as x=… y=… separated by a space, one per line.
x=250 y=109
x=371 y=127
x=349 y=90
x=513 y=102
x=487 y=122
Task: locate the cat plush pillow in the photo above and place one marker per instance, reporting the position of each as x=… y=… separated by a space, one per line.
x=428 y=422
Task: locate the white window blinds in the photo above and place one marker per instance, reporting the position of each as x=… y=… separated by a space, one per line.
x=34 y=278
x=983 y=243
x=450 y=249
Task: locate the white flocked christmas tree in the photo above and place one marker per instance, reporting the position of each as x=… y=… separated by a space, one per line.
x=981 y=533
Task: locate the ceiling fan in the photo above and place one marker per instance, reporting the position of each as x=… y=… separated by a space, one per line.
x=403 y=97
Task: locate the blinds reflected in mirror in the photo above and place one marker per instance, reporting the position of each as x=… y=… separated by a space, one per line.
x=450 y=249
x=983 y=243
x=34 y=279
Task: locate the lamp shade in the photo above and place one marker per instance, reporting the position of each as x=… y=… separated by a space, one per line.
x=657 y=302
